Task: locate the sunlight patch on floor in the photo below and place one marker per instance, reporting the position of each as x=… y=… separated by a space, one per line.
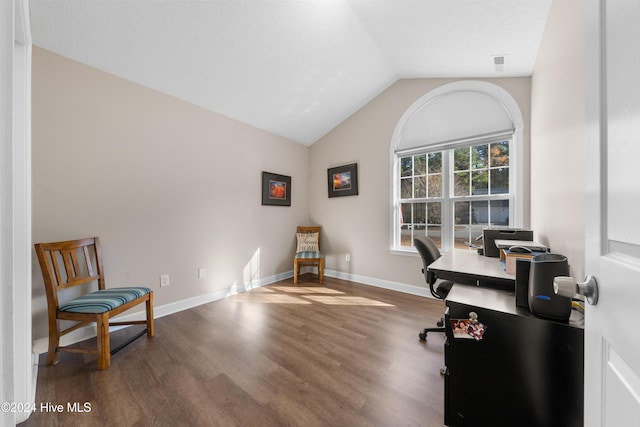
x=346 y=300
x=270 y=299
x=305 y=295
x=307 y=290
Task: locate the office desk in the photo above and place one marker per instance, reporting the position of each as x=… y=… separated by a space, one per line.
x=467 y=267
x=525 y=371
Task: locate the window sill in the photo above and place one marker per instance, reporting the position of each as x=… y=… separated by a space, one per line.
x=404 y=252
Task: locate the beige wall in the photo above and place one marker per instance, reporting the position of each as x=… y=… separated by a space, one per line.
x=557 y=135
x=359 y=225
x=169 y=187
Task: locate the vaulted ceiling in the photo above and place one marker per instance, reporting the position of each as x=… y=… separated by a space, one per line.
x=296 y=68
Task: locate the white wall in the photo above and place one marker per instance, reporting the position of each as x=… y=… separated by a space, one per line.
x=18 y=371
x=168 y=187
x=359 y=225
x=557 y=121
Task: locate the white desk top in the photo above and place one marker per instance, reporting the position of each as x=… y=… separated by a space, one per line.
x=464 y=261
x=492 y=299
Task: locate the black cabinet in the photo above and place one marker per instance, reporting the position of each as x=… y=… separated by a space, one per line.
x=524 y=371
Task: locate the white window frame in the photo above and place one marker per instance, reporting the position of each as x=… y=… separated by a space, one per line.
x=516 y=136
x=448 y=199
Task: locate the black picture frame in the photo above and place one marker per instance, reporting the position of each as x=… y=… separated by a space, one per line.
x=343 y=180
x=276 y=189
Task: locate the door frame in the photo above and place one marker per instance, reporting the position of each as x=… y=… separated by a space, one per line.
x=18 y=367
x=594 y=163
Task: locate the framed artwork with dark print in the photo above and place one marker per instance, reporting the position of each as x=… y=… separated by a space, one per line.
x=276 y=189
x=343 y=180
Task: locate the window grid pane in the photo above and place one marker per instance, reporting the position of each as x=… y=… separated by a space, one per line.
x=480 y=212
x=461 y=157
x=420 y=213
x=480 y=182
x=406 y=224
x=421 y=176
x=418 y=219
x=480 y=156
x=477 y=174
x=461 y=182
x=435 y=185
x=500 y=212
x=420 y=164
x=406 y=188
x=434 y=213
x=500 y=181
x=434 y=178
x=420 y=187
x=435 y=162
x=500 y=154
x=406 y=166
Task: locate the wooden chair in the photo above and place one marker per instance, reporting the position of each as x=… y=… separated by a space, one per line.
x=78 y=262
x=308 y=251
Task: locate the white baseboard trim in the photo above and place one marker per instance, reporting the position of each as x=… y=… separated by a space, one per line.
x=40 y=345
x=24 y=416
x=379 y=283
x=188 y=303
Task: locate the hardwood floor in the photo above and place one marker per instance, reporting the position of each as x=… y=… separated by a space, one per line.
x=342 y=354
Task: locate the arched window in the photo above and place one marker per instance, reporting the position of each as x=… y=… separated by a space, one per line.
x=456 y=157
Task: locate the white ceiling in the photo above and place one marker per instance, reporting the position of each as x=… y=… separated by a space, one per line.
x=296 y=68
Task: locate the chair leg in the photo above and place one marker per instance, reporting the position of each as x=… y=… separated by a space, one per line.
x=423 y=335
x=295 y=271
x=54 y=342
x=321 y=270
x=104 y=346
x=150 y=328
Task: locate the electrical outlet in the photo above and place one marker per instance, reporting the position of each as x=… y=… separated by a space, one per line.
x=202 y=273
x=164 y=280
x=347 y=257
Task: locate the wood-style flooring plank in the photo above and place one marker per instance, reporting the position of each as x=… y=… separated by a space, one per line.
x=337 y=354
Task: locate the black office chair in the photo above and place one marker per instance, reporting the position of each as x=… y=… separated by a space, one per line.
x=429 y=252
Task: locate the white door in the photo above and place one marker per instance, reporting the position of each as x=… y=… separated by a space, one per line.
x=612 y=203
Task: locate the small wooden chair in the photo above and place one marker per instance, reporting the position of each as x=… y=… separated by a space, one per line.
x=77 y=262
x=308 y=251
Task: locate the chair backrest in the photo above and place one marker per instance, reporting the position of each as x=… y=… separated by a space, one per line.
x=429 y=252
x=67 y=264
x=312 y=229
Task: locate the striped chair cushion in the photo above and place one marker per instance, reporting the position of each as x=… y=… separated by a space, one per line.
x=103 y=300
x=309 y=255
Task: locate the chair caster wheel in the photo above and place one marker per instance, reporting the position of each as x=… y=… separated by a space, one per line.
x=423 y=336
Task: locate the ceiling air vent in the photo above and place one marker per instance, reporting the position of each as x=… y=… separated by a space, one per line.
x=500 y=63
